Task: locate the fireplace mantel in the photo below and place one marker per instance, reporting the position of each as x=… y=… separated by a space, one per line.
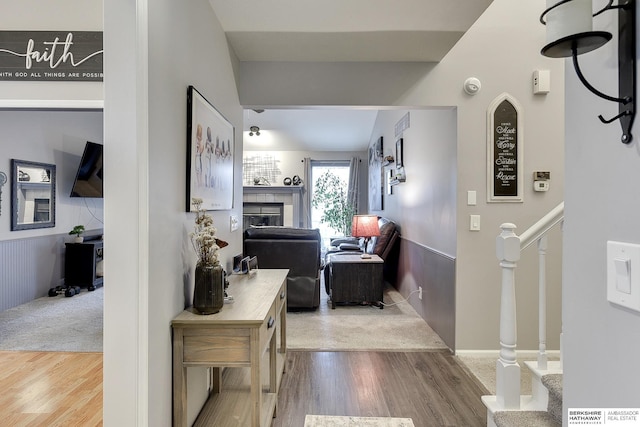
x=289 y=195
x=272 y=189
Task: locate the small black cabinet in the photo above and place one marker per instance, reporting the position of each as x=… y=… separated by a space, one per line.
x=80 y=264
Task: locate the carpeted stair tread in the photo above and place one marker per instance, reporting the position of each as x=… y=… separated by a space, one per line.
x=524 y=419
x=553 y=383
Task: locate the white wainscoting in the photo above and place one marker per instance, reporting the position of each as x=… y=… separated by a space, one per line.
x=29 y=267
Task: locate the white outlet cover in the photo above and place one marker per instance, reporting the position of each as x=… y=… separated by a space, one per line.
x=234 y=223
x=621 y=280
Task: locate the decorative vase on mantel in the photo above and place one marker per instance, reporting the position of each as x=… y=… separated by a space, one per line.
x=208 y=293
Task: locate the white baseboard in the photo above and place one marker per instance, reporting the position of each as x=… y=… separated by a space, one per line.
x=526 y=354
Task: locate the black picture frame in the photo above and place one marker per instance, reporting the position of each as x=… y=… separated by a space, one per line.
x=376 y=175
x=210 y=154
x=33 y=195
x=505 y=151
x=399 y=153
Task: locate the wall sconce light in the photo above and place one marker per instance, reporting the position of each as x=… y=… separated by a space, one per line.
x=570 y=33
x=254 y=129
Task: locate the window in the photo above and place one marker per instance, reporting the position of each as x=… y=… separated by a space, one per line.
x=340 y=169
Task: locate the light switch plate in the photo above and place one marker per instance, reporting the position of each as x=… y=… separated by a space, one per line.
x=471 y=198
x=474 y=222
x=234 y=222
x=623 y=274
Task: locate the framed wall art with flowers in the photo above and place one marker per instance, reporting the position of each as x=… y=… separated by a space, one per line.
x=210 y=154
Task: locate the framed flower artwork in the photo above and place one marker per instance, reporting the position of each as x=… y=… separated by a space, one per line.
x=210 y=154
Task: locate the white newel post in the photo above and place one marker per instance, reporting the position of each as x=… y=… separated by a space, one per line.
x=507 y=367
x=542 y=302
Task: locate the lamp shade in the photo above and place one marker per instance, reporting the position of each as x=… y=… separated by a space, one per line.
x=365 y=226
x=570 y=29
x=567 y=19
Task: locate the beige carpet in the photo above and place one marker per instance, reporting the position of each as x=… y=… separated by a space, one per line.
x=332 y=421
x=55 y=324
x=484 y=369
x=362 y=328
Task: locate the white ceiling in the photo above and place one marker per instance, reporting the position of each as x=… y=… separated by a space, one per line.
x=337 y=31
x=345 y=30
x=309 y=130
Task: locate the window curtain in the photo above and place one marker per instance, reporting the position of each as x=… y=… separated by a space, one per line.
x=354 y=182
x=306 y=194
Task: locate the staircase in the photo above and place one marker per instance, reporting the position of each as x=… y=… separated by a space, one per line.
x=542 y=409
x=544 y=406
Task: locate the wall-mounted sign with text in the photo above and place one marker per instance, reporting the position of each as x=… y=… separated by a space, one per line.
x=504 y=151
x=51 y=55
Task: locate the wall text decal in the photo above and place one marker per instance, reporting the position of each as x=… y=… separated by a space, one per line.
x=51 y=55
x=505 y=150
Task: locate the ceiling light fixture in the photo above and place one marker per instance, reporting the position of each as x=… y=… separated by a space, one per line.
x=254 y=129
x=570 y=33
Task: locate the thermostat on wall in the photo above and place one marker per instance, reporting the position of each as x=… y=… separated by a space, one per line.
x=541 y=181
x=541 y=185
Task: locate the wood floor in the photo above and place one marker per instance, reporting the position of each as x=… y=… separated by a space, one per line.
x=50 y=389
x=65 y=389
x=429 y=387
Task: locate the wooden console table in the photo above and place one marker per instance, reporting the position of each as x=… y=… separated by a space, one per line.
x=355 y=279
x=236 y=338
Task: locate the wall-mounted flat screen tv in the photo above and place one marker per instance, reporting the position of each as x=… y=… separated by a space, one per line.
x=88 y=182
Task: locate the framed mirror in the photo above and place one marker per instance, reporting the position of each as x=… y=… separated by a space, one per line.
x=33 y=195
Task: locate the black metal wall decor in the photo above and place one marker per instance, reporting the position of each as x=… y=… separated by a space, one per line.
x=578 y=43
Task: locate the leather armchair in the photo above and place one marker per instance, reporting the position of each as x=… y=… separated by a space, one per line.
x=297 y=249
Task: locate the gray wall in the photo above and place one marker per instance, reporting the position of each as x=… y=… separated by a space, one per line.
x=145 y=130
x=601 y=340
x=425 y=208
x=56 y=137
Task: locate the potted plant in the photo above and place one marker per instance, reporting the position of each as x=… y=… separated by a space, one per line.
x=77 y=230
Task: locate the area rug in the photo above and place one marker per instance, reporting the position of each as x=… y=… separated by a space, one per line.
x=333 y=421
x=362 y=328
x=55 y=324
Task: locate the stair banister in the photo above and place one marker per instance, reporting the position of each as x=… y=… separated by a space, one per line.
x=509 y=247
x=507 y=367
x=538 y=232
x=542 y=226
x=542 y=302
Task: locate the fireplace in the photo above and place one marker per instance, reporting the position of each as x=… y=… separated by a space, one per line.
x=262 y=213
x=289 y=196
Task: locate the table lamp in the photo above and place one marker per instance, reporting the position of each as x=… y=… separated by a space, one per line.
x=365 y=226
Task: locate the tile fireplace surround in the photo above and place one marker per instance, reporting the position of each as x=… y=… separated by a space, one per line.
x=290 y=196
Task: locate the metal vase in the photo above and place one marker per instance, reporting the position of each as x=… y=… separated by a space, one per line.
x=208 y=293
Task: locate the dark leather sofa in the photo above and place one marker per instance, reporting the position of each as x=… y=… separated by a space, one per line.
x=297 y=249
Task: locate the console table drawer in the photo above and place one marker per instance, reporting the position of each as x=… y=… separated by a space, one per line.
x=216 y=346
x=268 y=326
x=281 y=300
